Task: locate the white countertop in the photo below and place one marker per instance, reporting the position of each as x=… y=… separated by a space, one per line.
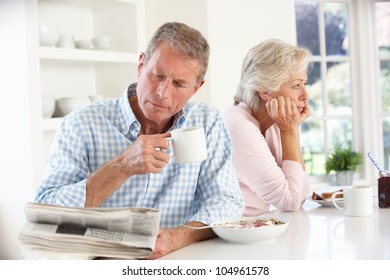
x=314 y=232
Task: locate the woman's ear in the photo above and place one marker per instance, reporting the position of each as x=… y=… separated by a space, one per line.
x=264 y=95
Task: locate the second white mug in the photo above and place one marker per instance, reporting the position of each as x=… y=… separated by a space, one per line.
x=189 y=144
x=357 y=201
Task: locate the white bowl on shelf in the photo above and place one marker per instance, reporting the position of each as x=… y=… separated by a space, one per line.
x=69 y=104
x=48 y=107
x=83 y=44
x=48 y=35
x=101 y=42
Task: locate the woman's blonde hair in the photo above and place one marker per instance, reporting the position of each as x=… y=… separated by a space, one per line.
x=266 y=66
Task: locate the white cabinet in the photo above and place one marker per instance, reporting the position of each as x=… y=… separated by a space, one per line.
x=71 y=72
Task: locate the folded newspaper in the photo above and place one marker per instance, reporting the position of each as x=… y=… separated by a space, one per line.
x=125 y=233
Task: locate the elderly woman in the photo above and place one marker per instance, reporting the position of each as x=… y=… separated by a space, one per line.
x=270 y=104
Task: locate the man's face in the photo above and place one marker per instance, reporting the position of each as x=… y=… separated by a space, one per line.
x=166 y=82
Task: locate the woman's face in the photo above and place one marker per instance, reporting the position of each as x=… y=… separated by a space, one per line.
x=294 y=89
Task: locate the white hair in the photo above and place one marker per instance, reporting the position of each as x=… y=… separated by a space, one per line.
x=266 y=66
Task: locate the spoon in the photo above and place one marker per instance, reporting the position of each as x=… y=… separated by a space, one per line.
x=369 y=154
x=203 y=227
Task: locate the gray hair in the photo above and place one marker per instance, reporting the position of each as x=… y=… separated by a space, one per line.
x=183 y=39
x=266 y=66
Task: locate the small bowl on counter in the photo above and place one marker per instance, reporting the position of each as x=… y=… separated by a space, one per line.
x=245 y=230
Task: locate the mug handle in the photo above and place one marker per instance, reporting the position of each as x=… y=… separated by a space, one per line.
x=335 y=202
x=173 y=155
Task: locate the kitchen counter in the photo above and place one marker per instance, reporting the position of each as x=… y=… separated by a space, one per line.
x=315 y=232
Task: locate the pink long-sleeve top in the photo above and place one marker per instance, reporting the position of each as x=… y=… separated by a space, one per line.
x=265 y=179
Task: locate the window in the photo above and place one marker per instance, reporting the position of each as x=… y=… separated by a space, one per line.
x=349 y=81
x=323 y=27
x=382 y=23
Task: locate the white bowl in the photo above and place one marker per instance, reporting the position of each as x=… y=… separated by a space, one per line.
x=248 y=229
x=48 y=106
x=69 y=104
x=101 y=42
x=48 y=35
x=95 y=98
x=83 y=44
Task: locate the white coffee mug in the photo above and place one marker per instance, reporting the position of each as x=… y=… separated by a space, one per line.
x=357 y=201
x=189 y=144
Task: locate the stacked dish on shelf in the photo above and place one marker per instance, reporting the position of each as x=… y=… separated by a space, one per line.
x=96 y=43
x=69 y=104
x=49 y=36
x=48 y=106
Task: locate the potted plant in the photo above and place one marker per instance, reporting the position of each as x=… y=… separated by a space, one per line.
x=344 y=162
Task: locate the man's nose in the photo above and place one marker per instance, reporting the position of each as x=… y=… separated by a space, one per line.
x=163 y=89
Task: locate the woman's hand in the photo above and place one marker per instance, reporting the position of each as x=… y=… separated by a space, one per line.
x=288 y=117
x=284 y=113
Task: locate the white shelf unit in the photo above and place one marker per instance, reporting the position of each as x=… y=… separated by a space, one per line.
x=78 y=72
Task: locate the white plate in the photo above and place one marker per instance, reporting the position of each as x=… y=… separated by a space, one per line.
x=250 y=235
x=328 y=202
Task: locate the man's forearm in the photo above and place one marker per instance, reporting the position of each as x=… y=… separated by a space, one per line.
x=103 y=182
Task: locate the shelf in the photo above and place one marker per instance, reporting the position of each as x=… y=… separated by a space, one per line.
x=62 y=72
x=51 y=124
x=80 y=55
x=91 y=3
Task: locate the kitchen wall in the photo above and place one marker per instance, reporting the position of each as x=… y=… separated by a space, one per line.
x=232 y=28
x=15 y=142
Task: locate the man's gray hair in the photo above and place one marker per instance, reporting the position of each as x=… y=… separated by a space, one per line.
x=183 y=39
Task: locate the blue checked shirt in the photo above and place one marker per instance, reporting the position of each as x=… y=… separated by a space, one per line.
x=91 y=136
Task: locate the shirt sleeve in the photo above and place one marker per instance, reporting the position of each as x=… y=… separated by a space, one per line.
x=66 y=169
x=218 y=194
x=285 y=186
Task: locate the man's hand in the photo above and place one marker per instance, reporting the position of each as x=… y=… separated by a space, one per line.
x=146 y=155
x=170 y=240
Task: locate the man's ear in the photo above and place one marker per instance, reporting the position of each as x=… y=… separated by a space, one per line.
x=141 y=62
x=197 y=87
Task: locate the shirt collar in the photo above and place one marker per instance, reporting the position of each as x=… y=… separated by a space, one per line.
x=127 y=115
